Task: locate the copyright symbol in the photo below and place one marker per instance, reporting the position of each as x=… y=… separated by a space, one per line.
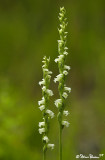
x=77 y=156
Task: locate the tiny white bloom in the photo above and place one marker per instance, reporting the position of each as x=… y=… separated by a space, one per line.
x=59 y=59
x=67 y=67
x=56 y=60
x=65 y=113
x=61 y=14
x=65 y=48
x=58 y=102
x=44 y=88
x=45 y=70
x=62 y=26
x=50 y=93
x=65 y=123
x=60 y=41
x=49 y=72
x=44 y=61
x=60 y=31
x=50 y=146
x=65 y=95
x=41 y=124
x=49 y=76
x=66 y=32
x=45 y=138
x=67 y=89
x=42 y=107
x=41 y=130
x=65 y=72
x=42 y=101
x=51 y=114
x=42 y=82
x=65 y=53
x=58 y=78
x=62 y=9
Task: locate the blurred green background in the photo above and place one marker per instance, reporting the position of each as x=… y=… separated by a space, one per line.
x=28 y=31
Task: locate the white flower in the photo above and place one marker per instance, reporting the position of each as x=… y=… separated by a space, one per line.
x=65 y=95
x=65 y=123
x=50 y=146
x=65 y=48
x=51 y=114
x=67 y=67
x=59 y=59
x=44 y=61
x=44 y=88
x=49 y=72
x=58 y=78
x=49 y=76
x=65 y=113
x=45 y=138
x=50 y=93
x=58 y=102
x=60 y=31
x=41 y=124
x=65 y=53
x=41 y=130
x=62 y=9
x=42 y=101
x=42 y=107
x=65 y=72
x=66 y=32
x=44 y=66
x=42 y=82
x=60 y=41
x=67 y=89
x=45 y=70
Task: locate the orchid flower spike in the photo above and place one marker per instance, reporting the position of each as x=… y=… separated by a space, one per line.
x=43 y=105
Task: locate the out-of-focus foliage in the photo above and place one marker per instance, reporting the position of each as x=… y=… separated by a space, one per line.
x=28 y=31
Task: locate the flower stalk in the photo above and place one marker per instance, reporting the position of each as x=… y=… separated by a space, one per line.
x=43 y=106
x=63 y=72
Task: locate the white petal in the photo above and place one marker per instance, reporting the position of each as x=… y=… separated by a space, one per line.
x=67 y=67
x=65 y=123
x=44 y=88
x=41 y=130
x=50 y=93
x=56 y=60
x=51 y=114
x=49 y=72
x=45 y=70
x=65 y=72
x=65 y=48
x=51 y=146
x=58 y=78
x=42 y=107
x=41 y=124
x=65 y=113
x=65 y=53
x=45 y=138
x=67 y=89
x=58 y=102
x=65 y=95
x=42 y=101
x=42 y=82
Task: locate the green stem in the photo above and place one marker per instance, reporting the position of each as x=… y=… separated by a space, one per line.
x=60 y=142
x=44 y=155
